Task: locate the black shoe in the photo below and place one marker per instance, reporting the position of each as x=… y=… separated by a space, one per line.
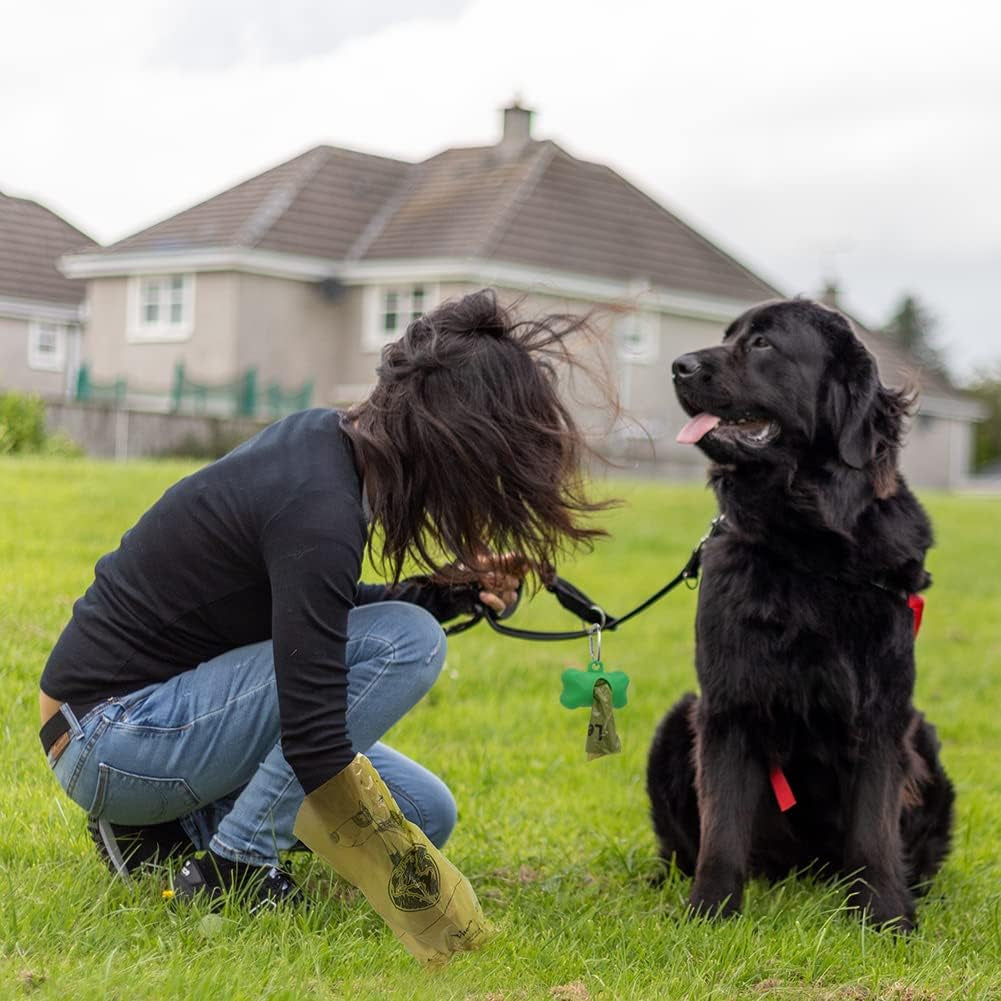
x=138 y=846
x=255 y=885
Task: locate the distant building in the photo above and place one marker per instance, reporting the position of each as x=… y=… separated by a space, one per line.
x=40 y=309
x=302 y=274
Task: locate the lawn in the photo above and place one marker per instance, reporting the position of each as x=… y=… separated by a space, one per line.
x=559 y=849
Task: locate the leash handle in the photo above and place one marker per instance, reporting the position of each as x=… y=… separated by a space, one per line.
x=576 y=601
x=570 y=597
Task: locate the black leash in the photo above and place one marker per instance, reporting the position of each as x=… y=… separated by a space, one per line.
x=576 y=601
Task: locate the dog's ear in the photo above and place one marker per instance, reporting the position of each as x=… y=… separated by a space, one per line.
x=850 y=400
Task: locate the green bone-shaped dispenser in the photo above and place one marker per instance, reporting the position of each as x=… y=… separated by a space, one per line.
x=578 y=686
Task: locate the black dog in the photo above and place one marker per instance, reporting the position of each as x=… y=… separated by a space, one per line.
x=804 y=634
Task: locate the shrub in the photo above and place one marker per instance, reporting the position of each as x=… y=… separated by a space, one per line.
x=22 y=428
x=62 y=446
x=22 y=423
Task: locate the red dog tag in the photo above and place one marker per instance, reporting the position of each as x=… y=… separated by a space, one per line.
x=783 y=791
x=916 y=603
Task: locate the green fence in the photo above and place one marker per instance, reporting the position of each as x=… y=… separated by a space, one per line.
x=87 y=390
x=241 y=397
x=231 y=399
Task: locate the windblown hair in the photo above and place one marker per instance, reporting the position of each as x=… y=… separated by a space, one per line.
x=466 y=443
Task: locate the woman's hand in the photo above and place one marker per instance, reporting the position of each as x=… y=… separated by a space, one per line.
x=499 y=576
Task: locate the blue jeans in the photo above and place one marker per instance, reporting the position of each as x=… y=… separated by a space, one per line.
x=205 y=746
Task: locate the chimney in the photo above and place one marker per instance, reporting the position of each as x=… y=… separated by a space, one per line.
x=517 y=128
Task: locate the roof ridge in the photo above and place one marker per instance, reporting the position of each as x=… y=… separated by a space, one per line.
x=113 y=247
x=62 y=220
x=691 y=230
x=380 y=219
x=543 y=157
x=274 y=206
x=351 y=151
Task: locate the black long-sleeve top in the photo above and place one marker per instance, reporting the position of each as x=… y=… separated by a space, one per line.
x=265 y=543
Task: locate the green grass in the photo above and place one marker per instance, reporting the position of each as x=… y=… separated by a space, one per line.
x=559 y=849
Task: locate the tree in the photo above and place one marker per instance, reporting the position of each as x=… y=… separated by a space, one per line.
x=912 y=326
x=986 y=387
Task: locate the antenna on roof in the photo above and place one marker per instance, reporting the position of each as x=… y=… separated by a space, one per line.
x=830 y=294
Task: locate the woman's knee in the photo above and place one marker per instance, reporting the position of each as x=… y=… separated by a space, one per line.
x=419 y=642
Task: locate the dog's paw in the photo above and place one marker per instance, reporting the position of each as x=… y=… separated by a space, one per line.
x=700 y=907
x=715 y=898
x=900 y=925
x=886 y=909
x=899 y=918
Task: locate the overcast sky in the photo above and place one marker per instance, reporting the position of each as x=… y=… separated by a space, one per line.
x=859 y=141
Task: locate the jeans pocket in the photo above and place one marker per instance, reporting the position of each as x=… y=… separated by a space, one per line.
x=128 y=798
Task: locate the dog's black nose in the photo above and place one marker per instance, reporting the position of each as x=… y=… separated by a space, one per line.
x=686 y=366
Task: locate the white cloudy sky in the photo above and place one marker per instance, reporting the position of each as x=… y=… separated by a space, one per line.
x=858 y=140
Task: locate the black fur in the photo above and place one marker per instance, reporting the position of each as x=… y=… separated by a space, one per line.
x=804 y=640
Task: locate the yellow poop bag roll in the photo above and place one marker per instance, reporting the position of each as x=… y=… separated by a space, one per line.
x=353 y=822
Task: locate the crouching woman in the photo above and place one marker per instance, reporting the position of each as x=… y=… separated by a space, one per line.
x=226 y=673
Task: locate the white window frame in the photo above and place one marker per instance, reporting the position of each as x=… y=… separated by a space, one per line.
x=164 y=292
x=637 y=337
x=375 y=336
x=42 y=358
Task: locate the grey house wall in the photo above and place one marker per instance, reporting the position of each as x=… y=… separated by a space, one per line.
x=209 y=354
x=938 y=452
x=17 y=374
x=292 y=331
x=289 y=331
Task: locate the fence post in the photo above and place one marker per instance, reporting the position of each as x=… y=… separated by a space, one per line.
x=247 y=403
x=177 y=393
x=83 y=383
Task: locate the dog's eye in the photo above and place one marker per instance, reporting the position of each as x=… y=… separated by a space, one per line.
x=757 y=341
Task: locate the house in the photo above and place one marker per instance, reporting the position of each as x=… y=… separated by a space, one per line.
x=301 y=274
x=40 y=308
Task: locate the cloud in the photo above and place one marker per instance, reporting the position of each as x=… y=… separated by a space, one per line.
x=861 y=140
x=200 y=35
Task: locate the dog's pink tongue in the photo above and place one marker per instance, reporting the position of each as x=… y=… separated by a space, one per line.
x=696 y=428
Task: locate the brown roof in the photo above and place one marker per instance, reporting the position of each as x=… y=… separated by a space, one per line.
x=899 y=368
x=32 y=239
x=541 y=207
x=316 y=204
x=452 y=204
x=585 y=218
x=535 y=205
x=530 y=204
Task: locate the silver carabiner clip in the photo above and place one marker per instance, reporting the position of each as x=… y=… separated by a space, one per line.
x=594 y=642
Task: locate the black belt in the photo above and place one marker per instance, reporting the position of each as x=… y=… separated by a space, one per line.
x=58 y=724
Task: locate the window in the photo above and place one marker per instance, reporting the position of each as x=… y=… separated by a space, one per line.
x=391 y=309
x=162 y=307
x=638 y=338
x=47 y=346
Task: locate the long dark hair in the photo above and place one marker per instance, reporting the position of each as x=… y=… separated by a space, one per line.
x=467 y=444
